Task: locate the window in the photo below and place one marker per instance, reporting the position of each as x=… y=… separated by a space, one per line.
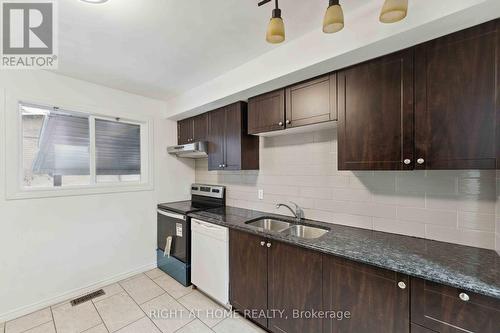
x=118 y=151
x=62 y=148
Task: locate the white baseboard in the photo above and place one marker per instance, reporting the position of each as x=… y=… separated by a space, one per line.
x=19 y=312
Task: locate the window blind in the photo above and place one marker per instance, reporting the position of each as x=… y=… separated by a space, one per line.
x=63 y=146
x=118 y=148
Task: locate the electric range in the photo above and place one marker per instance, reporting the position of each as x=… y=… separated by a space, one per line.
x=174 y=229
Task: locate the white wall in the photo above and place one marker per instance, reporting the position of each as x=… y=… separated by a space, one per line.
x=52 y=249
x=451 y=206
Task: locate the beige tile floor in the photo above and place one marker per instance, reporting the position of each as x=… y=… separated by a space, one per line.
x=129 y=306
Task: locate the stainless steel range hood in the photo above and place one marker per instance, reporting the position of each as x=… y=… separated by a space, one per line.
x=190 y=150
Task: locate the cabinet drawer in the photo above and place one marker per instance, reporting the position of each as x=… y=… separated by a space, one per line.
x=446 y=309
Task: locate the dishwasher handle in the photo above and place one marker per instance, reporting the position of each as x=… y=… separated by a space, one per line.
x=206 y=226
x=209 y=229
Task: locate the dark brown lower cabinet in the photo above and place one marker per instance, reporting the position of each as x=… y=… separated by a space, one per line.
x=419 y=329
x=371 y=295
x=248 y=274
x=450 y=310
x=295 y=287
x=269 y=280
x=286 y=288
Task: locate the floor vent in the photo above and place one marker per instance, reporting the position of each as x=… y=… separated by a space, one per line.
x=88 y=297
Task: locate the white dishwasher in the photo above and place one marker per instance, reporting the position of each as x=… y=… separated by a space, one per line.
x=210 y=260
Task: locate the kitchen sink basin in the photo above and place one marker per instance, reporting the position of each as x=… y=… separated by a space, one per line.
x=304 y=231
x=267 y=224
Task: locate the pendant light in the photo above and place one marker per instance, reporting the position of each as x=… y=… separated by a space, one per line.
x=394 y=11
x=276 y=28
x=334 y=18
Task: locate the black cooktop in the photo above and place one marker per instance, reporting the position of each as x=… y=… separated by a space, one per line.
x=182 y=207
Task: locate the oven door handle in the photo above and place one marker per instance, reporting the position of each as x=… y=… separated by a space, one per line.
x=172 y=215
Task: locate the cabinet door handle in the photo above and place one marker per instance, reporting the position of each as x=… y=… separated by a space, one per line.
x=420 y=161
x=280 y=123
x=262 y=243
x=407 y=161
x=401 y=285
x=220 y=166
x=268 y=244
x=464 y=297
x=288 y=121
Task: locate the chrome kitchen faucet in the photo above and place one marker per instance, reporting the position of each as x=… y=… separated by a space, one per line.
x=298 y=212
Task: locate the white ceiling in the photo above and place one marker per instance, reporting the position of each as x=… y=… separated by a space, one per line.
x=315 y=53
x=162 y=48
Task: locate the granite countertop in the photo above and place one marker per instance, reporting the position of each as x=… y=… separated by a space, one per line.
x=464 y=267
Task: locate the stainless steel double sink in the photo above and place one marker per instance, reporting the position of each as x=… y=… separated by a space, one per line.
x=287 y=228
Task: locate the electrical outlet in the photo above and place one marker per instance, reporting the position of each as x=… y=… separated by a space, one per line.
x=261 y=194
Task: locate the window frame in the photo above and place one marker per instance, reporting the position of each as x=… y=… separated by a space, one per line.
x=20 y=191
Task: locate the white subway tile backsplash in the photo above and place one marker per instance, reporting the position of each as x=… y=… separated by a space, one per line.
x=460 y=236
x=484 y=174
x=316 y=192
x=475 y=221
x=329 y=205
x=375 y=182
x=417 y=181
x=480 y=187
x=461 y=206
x=350 y=194
x=428 y=216
x=400 y=199
x=370 y=209
x=465 y=203
x=399 y=227
x=358 y=221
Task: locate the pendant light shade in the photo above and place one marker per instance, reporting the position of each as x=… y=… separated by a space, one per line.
x=276 y=28
x=394 y=11
x=334 y=18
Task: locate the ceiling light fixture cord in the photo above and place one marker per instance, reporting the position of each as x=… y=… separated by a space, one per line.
x=276 y=11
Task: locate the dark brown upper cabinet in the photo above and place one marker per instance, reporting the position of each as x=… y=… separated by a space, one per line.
x=457 y=115
x=378 y=300
x=192 y=129
x=230 y=147
x=375 y=125
x=248 y=273
x=184 y=131
x=200 y=127
x=311 y=102
x=445 y=309
x=266 y=112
